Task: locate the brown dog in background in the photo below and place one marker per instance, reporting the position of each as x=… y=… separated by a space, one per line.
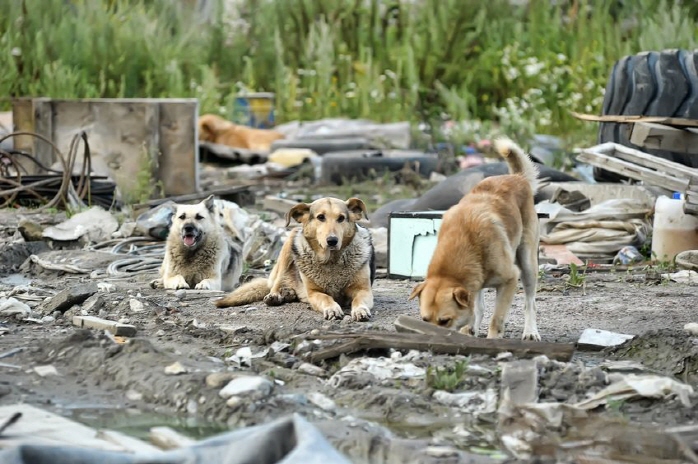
x=481 y=241
x=215 y=129
x=328 y=262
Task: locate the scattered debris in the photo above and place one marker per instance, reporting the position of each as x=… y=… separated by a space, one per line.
x=321 y=401
x=683 y=277
x=115 y=328
x=94 y=225
x=12 y=307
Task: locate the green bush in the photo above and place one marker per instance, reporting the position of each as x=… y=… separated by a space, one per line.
x=524 y=66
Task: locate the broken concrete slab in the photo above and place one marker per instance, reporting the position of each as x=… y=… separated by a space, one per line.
x=65 y=299
x=596 y=339
x=116 y=328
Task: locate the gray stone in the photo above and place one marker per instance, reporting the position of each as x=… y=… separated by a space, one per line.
x=65 y=299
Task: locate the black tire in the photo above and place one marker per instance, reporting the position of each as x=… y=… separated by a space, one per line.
x=650 y=84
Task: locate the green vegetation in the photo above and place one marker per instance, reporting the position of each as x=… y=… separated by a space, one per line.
x=484 y=60
x=447 y=378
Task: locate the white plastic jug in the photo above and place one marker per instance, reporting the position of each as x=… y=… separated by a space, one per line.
x=673 y=230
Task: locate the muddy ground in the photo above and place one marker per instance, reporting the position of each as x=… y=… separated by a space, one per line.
x=378 y=408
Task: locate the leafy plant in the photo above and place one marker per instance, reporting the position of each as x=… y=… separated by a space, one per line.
x=446 y=378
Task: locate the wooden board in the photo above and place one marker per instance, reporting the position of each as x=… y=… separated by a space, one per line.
x=37 y=426
x=662 y=137
x=424 y=336
x=678 y=122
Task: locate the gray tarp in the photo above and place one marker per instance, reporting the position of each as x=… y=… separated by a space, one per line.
x=290 y=440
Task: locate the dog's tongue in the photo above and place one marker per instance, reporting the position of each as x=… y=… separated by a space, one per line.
x=189 y=240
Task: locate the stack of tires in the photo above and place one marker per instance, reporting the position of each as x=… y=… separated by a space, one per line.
x=650 y=84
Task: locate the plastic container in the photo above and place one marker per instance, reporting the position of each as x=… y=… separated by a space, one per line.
x=673 y=230
x=254 y=110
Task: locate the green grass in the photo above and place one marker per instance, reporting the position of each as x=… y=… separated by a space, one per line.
x=389 y=60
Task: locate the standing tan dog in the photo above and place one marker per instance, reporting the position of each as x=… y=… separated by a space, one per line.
x=328 y=262
x=482 y=240
x=213 y=128
x=198 y=254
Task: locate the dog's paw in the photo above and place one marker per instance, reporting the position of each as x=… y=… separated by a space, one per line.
x=495 y=333
x=176 y=282
x=467 y=330
x=360 y=313
x=333 y=312
x=156 y=283
x=274 y=299
x=533 y=336
x=204 y=285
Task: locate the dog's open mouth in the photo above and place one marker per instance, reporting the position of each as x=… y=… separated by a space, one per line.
x=190 y=239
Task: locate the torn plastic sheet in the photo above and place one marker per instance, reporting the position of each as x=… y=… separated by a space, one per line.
x=93 y=225
x=290 y=440
x=601 y=230
x=527 y=429
x=389 y=135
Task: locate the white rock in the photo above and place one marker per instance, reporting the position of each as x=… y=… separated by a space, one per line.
x=45 y=371
x=311 y=369
x=322 y=401
x=691 y=328
x=133 y=395
x=136 y=305
x=254 y=386
x=175 y=368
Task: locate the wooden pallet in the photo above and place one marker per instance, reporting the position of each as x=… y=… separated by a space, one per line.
x=642 y=166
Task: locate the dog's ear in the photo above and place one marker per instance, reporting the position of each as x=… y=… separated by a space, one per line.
x=417 y=290
x=462 y=296
x=210 y=203
x=357 y=209
x=299 y=213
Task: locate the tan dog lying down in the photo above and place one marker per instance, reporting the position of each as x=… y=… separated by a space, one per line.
x=214 y=129
x=328 y=262
x=486 y=241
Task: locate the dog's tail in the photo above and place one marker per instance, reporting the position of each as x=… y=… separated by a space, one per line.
x=518 y=161
x=250 y=292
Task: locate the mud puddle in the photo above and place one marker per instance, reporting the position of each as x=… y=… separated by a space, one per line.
x=137 y=423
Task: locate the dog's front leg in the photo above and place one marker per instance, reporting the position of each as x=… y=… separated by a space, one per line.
x=361 y=296
x=478 y=310
x=213 y=283
x=505 y=296
x=325 y=304
x=175 y=282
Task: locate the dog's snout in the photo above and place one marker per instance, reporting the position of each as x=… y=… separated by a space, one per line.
x=332 y=240
x=188 y=229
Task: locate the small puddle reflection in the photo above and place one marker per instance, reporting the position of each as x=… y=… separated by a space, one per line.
x=138 y=423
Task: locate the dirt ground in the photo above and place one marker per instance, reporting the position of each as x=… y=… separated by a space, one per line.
x=377 y=408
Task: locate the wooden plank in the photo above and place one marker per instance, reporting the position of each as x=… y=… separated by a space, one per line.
x=116 y=328
x=178 y=164
x=23 y=121
x=43 y=111
x=679 y=122
x=632 y=170
x=429 y=337
x=662 y=137
x=37 y=426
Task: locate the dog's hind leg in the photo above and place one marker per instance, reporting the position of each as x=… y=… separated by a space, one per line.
x=505 y=295
x=527 y=257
